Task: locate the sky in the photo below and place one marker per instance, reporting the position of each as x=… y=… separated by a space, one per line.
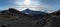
x=37 y=5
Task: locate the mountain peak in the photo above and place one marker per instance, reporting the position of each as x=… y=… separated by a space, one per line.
x=27 y=9
x=31 y=12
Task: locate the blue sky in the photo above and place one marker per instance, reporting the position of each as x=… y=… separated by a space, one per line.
x=48 y=5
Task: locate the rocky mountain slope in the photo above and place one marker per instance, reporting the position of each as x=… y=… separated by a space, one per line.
x=15 y=18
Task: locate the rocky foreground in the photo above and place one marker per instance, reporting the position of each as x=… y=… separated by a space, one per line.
x=14 y=18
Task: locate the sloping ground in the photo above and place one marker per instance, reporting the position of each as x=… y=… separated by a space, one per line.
x=19 y=21
x=7 y=18
x=53 y=21
x=24 y=21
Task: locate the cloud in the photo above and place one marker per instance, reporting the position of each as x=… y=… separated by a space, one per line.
x=37 y=5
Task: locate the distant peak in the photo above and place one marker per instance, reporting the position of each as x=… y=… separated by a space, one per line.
x=27 y=9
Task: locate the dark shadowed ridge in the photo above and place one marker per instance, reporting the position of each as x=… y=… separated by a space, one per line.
x=56 y=13
x=13 y=12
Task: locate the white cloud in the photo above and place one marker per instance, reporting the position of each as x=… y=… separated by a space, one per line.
x=37 y=6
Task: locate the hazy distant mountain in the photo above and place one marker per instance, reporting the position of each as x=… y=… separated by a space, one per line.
x=35 y=13
x=27 y=12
